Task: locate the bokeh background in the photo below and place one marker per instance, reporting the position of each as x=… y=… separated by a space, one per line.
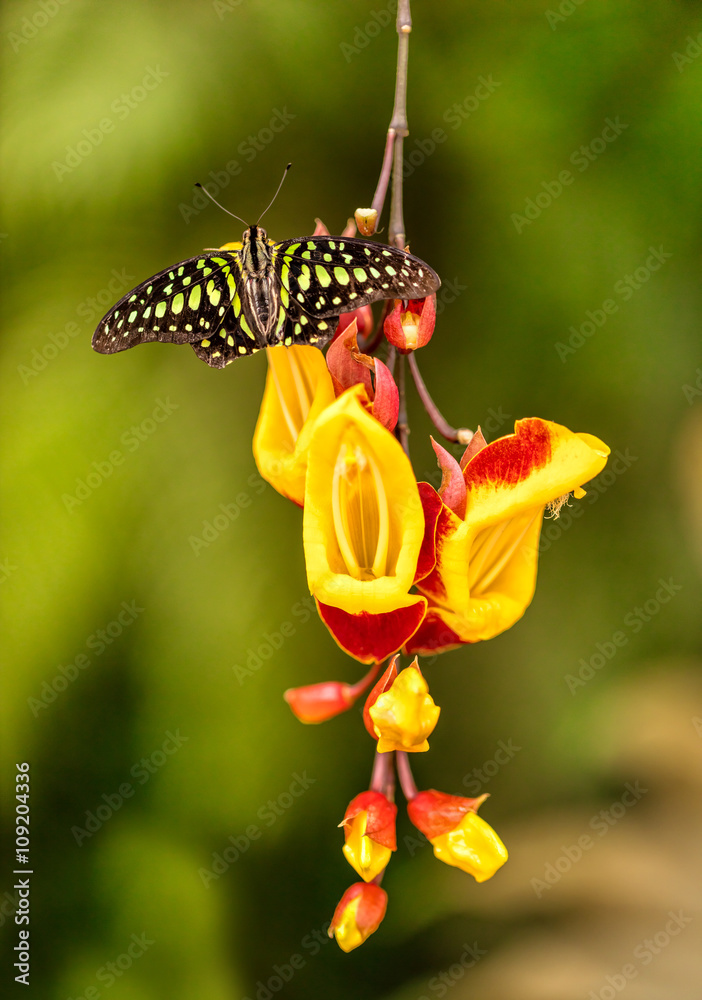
x=90 y=209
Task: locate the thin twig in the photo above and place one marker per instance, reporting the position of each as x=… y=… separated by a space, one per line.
x=398 y=124
x=370 y=345
x=402 y=422
x=384 y=179
x=404 y=773
x=461 y=434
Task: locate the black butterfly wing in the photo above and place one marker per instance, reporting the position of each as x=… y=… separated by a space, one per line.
x=327 y=275
x=190 y=302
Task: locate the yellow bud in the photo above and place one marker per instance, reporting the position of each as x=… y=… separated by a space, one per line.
x=364 y=854
x=473 y=846
x=405 y=715
x=366 y=220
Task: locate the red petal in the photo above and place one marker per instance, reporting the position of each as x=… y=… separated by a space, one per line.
x=320 y=229
x=435 y=812
x=383 y=684
x=432 y=504
x=380 y=825
x=386 y=405
x=371 y=909
x=344 y=368
x=511 y=459
x=477 y=444
x=433 y=636
x=453 y=486
x=372 y=638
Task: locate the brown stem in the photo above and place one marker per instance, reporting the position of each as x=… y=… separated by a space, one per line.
x=398 y=124
x=402 y=422
x=404 y=773
x=370 y=345
x=383 y=776
x=460 y=434
x=384 y=179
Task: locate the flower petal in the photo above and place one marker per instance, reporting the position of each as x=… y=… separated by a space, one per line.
x=371 y=638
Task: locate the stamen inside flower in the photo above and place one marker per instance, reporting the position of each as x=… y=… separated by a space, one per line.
x=360 y=510
x=295 y=405
x=494 y=547
x=410 y=328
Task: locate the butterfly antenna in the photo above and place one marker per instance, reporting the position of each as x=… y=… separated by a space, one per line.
x=205 y=191
x=285 y=174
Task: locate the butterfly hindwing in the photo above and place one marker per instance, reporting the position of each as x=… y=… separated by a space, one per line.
x=328 y=275
x=184 y=304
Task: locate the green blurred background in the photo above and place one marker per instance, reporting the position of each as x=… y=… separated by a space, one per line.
x=122 y=206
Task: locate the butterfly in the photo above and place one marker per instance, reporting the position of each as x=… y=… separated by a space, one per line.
x=231 y=302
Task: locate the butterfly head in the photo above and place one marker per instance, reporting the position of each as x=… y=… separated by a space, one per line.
x=255 y=252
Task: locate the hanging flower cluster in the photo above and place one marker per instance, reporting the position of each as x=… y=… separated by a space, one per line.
x=396 y=565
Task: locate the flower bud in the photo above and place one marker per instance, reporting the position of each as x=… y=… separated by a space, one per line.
x=319 y=702
x=405 y=715
x=411 y=327
x=369 y=829
x=359 y=913
x=366 y=220
x=459 y=836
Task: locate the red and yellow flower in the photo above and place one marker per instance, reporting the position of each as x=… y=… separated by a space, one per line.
x=404 y=715
x=363 y=529
x=458 y=835
x=359 y=913
x=487 y=532
x=369 y=831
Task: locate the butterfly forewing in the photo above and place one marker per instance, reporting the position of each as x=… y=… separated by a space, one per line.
x=327 y=275
x=188 y=302
x=227 y=304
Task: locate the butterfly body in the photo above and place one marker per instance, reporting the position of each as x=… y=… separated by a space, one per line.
x=232 y=302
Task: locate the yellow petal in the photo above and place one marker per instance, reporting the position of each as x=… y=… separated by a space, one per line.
x=298 y=389
x=473 y=846
x=364 y=854
x=405 y=715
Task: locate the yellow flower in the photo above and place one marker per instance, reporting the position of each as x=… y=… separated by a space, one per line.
x=459 y=836
x=298 y=389
x=405 y=715
x=362 y=531
x=487 y=546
